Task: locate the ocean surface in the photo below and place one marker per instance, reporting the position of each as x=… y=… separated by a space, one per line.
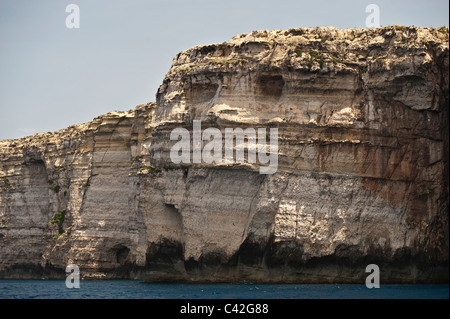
x=130 y=289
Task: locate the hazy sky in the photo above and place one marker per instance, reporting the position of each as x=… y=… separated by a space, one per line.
x=52 y=77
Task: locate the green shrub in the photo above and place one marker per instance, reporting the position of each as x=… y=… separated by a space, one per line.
x=313 y=54
x=444 y=31
x=361 y=72
x=321 y=61
x=58 y=219
x=55 y=188
x=315 y=57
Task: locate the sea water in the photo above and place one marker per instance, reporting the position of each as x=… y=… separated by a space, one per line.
x=133 y=289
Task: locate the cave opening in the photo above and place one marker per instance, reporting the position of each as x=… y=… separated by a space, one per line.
x=122 y=254
x=270 y=86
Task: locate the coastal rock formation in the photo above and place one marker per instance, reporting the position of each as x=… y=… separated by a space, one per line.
x=361 y=175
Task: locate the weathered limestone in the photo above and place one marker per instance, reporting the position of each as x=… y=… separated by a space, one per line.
x=362 y=118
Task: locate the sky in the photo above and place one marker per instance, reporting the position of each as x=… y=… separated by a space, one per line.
x=52 y=76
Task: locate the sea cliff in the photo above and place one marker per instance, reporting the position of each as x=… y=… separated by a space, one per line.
x=361 y=178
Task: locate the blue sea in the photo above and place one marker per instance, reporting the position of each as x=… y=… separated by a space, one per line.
x=131 y=289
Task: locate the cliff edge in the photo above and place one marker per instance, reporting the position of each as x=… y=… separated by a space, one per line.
x=361 y=175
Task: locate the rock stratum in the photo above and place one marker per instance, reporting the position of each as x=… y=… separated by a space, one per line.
x=362 y=176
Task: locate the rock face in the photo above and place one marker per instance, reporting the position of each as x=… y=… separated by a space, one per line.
x=361 y=178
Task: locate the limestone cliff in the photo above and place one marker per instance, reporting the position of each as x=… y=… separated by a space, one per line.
x=362 y=175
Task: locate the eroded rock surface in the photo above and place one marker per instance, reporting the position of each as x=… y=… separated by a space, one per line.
x=362 y=175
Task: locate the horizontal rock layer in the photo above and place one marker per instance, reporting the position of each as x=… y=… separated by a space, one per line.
x=361 y=176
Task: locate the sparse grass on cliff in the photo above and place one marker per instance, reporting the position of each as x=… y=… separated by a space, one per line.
x=443 y=30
